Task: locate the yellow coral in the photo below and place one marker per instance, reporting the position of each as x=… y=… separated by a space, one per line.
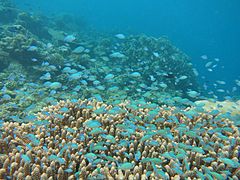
x=222 y=106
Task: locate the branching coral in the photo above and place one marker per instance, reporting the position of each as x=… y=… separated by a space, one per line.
x=89 y=139
x=224 y=106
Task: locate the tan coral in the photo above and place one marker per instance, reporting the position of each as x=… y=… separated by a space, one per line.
x=47 y=158
x=222 y=106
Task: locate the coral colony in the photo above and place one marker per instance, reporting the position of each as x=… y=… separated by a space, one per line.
x=90 y=139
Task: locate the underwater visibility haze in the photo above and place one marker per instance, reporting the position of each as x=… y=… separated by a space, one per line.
x=119 y=89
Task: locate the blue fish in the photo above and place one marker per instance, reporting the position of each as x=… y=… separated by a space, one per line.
x=137 y=155
x=92 y=124
x=69 y=38
x=64 y=109
x=26 y=158
x=32 y=48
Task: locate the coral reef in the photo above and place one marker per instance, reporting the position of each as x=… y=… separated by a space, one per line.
x=156 y=59
x=114 y=134
x=137 y=140
x=135 y=66
x=19 y=44
x=35 y=24
x=114 y=69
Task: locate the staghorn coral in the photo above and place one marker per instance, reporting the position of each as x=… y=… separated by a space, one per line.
x=137 y=140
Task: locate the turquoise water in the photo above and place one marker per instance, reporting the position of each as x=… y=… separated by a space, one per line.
x=124 y=88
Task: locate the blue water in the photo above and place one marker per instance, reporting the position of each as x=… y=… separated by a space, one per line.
x=197 y=27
